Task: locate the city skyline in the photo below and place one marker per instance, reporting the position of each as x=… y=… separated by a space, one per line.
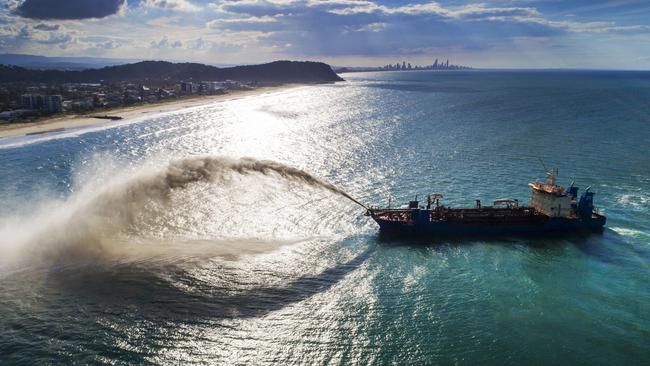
x=497 y=33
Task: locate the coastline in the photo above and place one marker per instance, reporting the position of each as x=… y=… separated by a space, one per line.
x=127 y=113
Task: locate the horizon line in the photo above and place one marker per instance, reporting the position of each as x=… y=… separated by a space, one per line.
x=470 y=68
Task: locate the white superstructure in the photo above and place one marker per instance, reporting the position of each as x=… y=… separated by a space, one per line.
x=551 y=199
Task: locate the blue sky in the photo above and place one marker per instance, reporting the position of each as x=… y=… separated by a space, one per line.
x=489 y=33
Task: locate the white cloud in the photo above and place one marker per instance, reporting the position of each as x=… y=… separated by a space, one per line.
x=47 y=27
x=179 y=5
x=350 y=7
x=372 y=27
x=252 y=19
x=196 y=44
x=56 y=38
x=162 y=43
x=251 y=30
x=469 y=12
x=575 y=26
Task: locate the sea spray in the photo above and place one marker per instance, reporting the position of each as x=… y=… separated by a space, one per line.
x=82 y=224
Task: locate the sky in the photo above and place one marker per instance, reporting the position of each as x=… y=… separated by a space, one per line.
x=486 y=33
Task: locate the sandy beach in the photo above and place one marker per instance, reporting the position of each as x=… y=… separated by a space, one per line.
x=68 y=121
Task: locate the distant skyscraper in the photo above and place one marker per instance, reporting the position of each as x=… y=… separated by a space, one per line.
x=435 y=64
x=403 y=65
x=447 y=64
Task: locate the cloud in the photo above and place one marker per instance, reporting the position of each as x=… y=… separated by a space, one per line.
x=68 y=9
x=333 y=30
x=47 y=27
x=372 y=28
x=576 y=27
x=240 y=22
x=56 y=38
x=165 y=43
x=360 y=27
x=251 y=19
x=102 y=43
x=24 y=33
x=108 y=45
x=179 y=5
x=196 y=44
x=11 y=5
x=15 y=36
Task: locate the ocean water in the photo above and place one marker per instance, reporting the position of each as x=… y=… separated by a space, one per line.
x=102 y=261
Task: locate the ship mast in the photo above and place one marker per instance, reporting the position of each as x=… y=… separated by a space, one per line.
x=551 y=174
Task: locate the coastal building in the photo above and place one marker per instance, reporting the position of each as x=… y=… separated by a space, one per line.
x=131 y=97
x=46 y=103
x=53 y=103
x=113 y=99
x=212 y=87
x=82 y=104
x=32 y=101
x=16 y=114
x=165 y=93
x=99 y=100
x=189 y=88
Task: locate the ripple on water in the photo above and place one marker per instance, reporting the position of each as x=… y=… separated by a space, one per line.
x=261 y=272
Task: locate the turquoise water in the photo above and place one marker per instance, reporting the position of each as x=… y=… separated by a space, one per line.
x=98 y=265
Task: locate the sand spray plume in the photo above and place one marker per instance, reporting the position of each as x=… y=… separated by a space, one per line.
x=183 y=172
x=83 y=222
x=248 y=165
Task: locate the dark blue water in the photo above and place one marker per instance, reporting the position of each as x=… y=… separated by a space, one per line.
x=99 y=266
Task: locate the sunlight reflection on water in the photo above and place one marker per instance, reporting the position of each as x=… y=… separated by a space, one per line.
x=265 y=271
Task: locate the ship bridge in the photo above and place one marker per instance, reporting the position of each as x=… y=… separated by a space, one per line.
x=551 y=199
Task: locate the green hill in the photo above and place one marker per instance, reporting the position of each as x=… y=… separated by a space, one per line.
x=278 y=71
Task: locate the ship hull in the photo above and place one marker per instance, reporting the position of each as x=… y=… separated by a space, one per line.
x=521 y=227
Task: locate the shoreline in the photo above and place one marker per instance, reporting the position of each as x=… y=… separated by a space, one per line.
x=127 y=113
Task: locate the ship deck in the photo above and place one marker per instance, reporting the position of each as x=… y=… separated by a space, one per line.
x=486 y=214
x=479 y=220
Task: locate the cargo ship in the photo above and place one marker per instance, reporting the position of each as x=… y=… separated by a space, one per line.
x=552 y=209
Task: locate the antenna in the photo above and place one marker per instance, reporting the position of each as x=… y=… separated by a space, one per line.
x=544 y=165
x=550 y=174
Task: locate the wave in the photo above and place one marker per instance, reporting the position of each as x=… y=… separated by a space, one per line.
x=632 y=233
x=637 y=201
